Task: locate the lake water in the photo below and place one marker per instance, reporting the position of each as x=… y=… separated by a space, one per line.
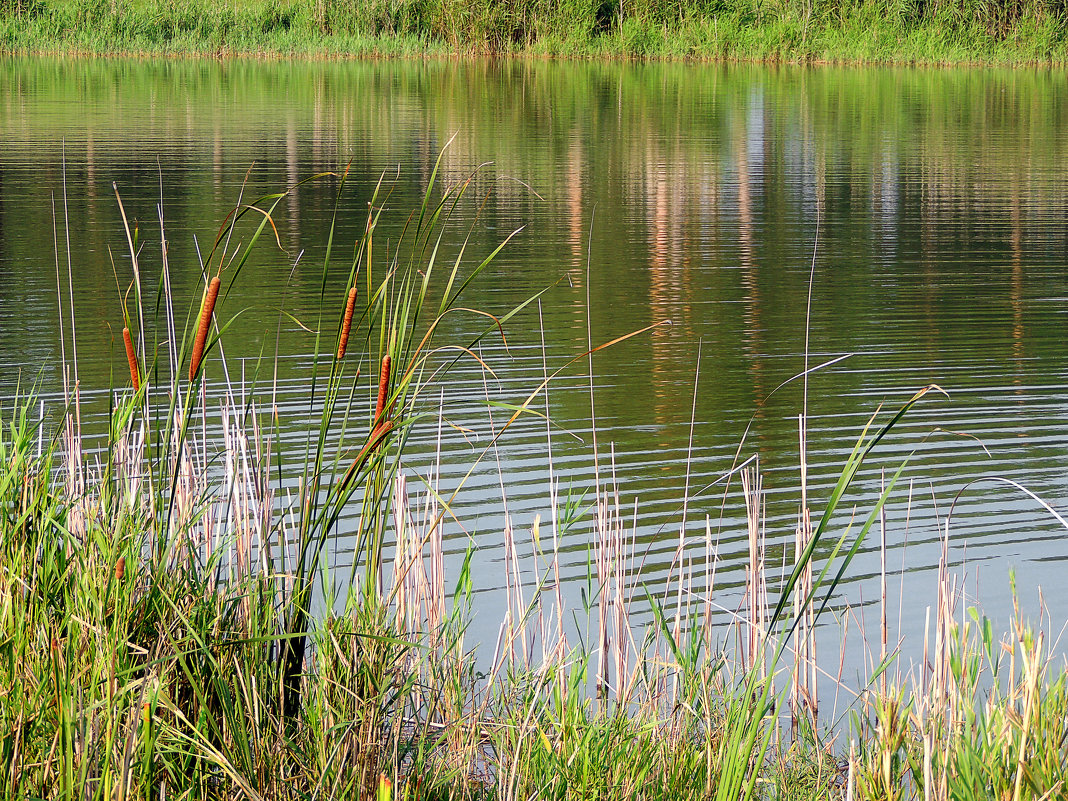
x=929 y=207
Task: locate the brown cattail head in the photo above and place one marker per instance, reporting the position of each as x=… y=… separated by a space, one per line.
x=202 y=328
x=120 y=568
x=131 y=357
x=350 y=306
x=383 y=389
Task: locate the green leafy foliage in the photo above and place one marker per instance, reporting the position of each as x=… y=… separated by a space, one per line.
x=938 y=31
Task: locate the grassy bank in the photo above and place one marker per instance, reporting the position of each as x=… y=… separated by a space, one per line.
x=171 y=626
x=133 y=671
x=867 y=31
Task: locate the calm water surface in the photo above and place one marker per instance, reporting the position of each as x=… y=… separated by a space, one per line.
x=932 y=205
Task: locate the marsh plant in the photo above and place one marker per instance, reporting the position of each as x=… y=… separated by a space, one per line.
x=171 y=628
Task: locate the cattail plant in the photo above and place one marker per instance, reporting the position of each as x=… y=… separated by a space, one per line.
x=131 y=357
x=202 y=328
x=383 y=390
x=350 y=306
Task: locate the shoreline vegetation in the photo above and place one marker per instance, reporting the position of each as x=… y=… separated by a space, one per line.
x=934 y=32
x=172 y=628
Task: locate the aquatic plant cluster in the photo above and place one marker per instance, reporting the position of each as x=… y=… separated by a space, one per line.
x=170 y=627
x=898 y=31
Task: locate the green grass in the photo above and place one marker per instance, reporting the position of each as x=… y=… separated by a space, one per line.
x=865 y=31
x=166 y=630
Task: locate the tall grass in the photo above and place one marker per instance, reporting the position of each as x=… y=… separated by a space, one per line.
x=170 y=628
x=943 y=31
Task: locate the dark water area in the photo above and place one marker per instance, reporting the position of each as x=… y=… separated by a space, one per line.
x=928 y=207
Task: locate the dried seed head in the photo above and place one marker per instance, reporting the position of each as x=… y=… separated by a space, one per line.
x=131 y=357
x=120 y=568
x=203 y=326
x=350 y=306
x=383 y=389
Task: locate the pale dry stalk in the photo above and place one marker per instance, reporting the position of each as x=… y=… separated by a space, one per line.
x=756 y=589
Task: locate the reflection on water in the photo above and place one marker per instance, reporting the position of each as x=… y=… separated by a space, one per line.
x=689 y=194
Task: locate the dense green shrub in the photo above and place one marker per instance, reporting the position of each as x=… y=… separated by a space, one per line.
x=905 y=30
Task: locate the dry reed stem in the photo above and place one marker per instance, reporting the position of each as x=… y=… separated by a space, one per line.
x=350 y=306
x=131 y=357
x=202 y=328
x=383 y=389
x=803 y=689
x=756 y=588
x=613 y=623
x=413 y=587
x=1032 y=674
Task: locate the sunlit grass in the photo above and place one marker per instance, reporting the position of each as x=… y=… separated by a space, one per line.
x=869 y=31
